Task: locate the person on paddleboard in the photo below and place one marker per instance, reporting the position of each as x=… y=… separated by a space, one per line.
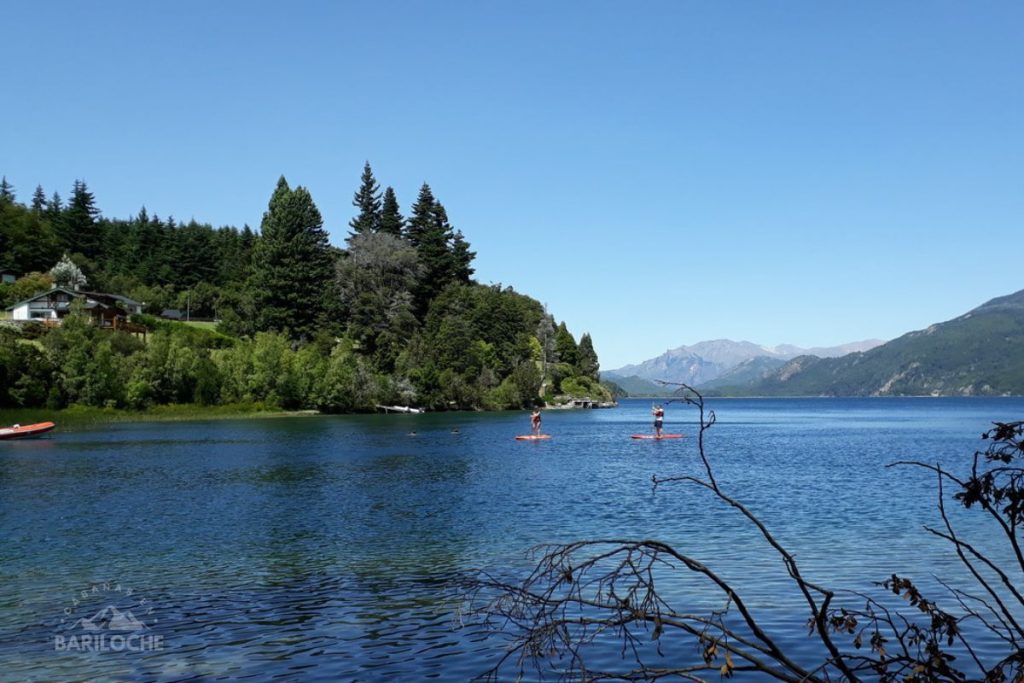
x=659 y=419
x=535 y=422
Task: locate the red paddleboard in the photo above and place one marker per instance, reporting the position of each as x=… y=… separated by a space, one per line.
x=657 y=438
x=25 y=431
x=533 y=437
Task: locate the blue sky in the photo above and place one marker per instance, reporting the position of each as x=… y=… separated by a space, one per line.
x=657 y=173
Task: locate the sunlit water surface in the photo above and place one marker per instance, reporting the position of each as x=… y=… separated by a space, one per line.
x=324 y=548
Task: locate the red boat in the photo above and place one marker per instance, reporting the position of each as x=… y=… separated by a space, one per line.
x=25 y=431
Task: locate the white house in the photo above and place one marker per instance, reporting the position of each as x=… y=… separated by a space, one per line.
x=56 y=303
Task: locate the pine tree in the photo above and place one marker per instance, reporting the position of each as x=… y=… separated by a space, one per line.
x=462 y=258
x=293 y=268
x=391 y=221
x=7 y=229
x=586 y=361
x=78 y=229
x=142 y=247
x=367 y=200
x=422 y=211
x=454 y=257
x=431 y=247
x=248 y=238
x=29 y=242
x=6 y=191
x=444 y=253
x=54 y=207
x=565 y=345
x=545 y=334
x=39 y=200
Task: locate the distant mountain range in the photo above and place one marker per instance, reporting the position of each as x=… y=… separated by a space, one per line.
x=978 y=353
x=711 y=362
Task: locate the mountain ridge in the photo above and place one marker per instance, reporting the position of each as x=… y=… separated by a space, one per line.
x=707 y=361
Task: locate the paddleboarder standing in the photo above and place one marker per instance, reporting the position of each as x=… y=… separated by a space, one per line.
x=659 y=419
x=535 y=421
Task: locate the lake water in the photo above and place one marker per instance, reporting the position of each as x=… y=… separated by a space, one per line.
x=323 y=548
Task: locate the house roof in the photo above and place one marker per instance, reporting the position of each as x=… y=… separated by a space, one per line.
x=40 y=295
x=119 y=297
x=96 y=296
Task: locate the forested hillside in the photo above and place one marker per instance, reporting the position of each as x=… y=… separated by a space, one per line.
x=391 y=317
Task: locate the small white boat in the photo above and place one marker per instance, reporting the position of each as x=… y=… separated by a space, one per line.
x=400 y=409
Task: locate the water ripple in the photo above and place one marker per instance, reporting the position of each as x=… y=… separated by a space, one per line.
x=327 y=550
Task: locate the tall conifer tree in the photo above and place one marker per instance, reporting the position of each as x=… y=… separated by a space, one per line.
x=586 y=358
x=422 y=211
x=39 y=200
x=78 y=229
x=293 y=268
x=54 y=207
x=565 y=345
x=7 y=219
x=367 y=200
x=6 y=191
x=462 y=258
x=391 y=220
x=444 y=253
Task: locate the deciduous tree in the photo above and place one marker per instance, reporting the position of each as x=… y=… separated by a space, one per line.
x=376 y=281
x=67 y=274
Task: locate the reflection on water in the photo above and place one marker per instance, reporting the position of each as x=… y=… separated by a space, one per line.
x=323 y=548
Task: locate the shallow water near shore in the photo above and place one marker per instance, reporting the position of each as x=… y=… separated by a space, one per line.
x=325 y=548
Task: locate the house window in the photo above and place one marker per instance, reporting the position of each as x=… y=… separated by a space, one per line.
x=40 y=314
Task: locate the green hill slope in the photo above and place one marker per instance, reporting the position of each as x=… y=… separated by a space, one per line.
x=746 y=374
x=637 y=386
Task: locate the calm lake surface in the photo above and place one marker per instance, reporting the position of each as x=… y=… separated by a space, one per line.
x=323 y=548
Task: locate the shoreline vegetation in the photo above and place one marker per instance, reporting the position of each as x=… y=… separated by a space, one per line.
x=392 y=317
x=84 y=416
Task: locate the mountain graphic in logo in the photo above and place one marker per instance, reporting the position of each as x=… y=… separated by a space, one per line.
x=110 y=619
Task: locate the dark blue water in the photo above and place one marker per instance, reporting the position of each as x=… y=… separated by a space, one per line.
x=323 y=548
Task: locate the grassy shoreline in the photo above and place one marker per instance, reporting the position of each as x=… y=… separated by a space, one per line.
x=77 y=415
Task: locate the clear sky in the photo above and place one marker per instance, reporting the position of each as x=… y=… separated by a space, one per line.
x=657 y=173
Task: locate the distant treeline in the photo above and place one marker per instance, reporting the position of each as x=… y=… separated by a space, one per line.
x=393 y=317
